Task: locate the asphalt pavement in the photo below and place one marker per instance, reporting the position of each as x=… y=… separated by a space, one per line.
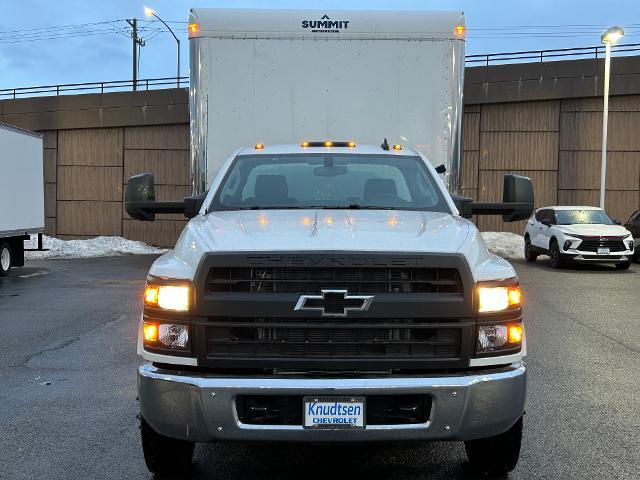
x=68 y=388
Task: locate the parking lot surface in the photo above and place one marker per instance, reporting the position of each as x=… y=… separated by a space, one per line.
x=68 y=386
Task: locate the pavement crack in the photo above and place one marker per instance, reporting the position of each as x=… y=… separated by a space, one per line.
x=60 y=346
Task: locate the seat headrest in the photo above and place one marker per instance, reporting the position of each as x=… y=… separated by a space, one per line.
x=271 y=187
x=379 y=186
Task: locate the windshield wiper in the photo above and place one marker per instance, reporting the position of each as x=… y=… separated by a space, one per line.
x=351 y=206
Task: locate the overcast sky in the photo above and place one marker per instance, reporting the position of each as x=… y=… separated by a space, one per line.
x=35 y=51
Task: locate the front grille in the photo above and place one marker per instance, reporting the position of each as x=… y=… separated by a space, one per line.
x=287 y=409
x=591 y=244
x=368 y=280
x=318 y=338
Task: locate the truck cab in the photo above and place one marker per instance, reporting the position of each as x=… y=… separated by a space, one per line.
x=330 y=292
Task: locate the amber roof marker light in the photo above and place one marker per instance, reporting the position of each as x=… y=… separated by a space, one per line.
x=328 y=143
x=460 y=31
x=259 y=146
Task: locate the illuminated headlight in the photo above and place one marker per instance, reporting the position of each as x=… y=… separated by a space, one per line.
x=499 y=337
x=167 y=297
x=166 y=335
x=497 y=299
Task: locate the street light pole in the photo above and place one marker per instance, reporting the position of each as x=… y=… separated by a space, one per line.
x=150 y=12
x=609 y=38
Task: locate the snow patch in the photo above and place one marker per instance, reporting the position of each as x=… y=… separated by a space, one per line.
x=504 y=244
x=93 y=247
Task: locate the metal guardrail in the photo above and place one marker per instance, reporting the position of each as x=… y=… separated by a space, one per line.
x=94 y=87
x=471 y=60
x=548 y=55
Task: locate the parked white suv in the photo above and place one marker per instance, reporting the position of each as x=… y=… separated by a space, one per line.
x=581 y=234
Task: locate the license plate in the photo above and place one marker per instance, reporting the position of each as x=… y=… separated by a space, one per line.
x=333 y=413
x=603 y=251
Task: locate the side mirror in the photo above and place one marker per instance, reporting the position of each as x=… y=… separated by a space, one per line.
x=517 y=201
x=518 y=190
x=140 y=200
x=139 y=193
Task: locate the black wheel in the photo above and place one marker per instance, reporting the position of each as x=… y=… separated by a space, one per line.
x=164 y=455
x=529 y=254
x=554 y=254
x=623 y=265
x=496 y=455
x=6 y=259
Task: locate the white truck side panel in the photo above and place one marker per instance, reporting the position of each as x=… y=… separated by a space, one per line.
x=21 y=182
x=275 y=85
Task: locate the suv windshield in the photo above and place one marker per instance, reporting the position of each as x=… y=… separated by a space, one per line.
x=329 y=181
x=574 y=217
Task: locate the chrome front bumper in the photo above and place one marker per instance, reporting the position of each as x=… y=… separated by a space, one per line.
x=201 y=407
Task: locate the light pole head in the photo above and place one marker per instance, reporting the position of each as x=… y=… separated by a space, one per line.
x=612 y=35
x=149 y=12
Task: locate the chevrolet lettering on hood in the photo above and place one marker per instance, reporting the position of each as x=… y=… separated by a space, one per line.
x=325 y=25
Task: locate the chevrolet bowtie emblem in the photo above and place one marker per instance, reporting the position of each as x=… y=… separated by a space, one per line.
x=334 y=303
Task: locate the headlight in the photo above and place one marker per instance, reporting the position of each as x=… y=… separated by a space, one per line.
x=497 y=299
x=499 y=337
x=171 y=335
x=167 y=297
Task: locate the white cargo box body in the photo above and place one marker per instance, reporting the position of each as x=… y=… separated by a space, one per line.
x=283 y=76
x=21 y=182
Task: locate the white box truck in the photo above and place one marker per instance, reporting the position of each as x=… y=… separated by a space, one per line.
x=21 y=193
x=328 y=287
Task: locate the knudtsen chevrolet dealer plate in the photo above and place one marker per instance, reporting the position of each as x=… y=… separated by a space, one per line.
x=334 y=412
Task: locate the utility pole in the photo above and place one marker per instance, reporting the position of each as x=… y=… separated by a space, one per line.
x=136 y=41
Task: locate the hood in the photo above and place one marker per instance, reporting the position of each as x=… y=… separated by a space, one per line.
x=329 y=230
x=597 y=230
x=324 y=230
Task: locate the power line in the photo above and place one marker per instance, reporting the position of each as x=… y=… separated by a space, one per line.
x=61 y=27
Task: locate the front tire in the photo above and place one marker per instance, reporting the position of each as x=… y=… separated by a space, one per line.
x=6 y=259
x=554 y=254
x=164 y=455
x=623 y=265
x=529 y=254
x=496 y=455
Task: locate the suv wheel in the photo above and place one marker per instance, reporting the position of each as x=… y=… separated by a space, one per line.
x=554 y=254
x=496 y=455
x=529 y=254
x=5 y=259
x=623 y=265
x=165 y=455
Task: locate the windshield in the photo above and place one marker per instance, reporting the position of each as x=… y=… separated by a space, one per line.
x=577 y=217
x=329 y=181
